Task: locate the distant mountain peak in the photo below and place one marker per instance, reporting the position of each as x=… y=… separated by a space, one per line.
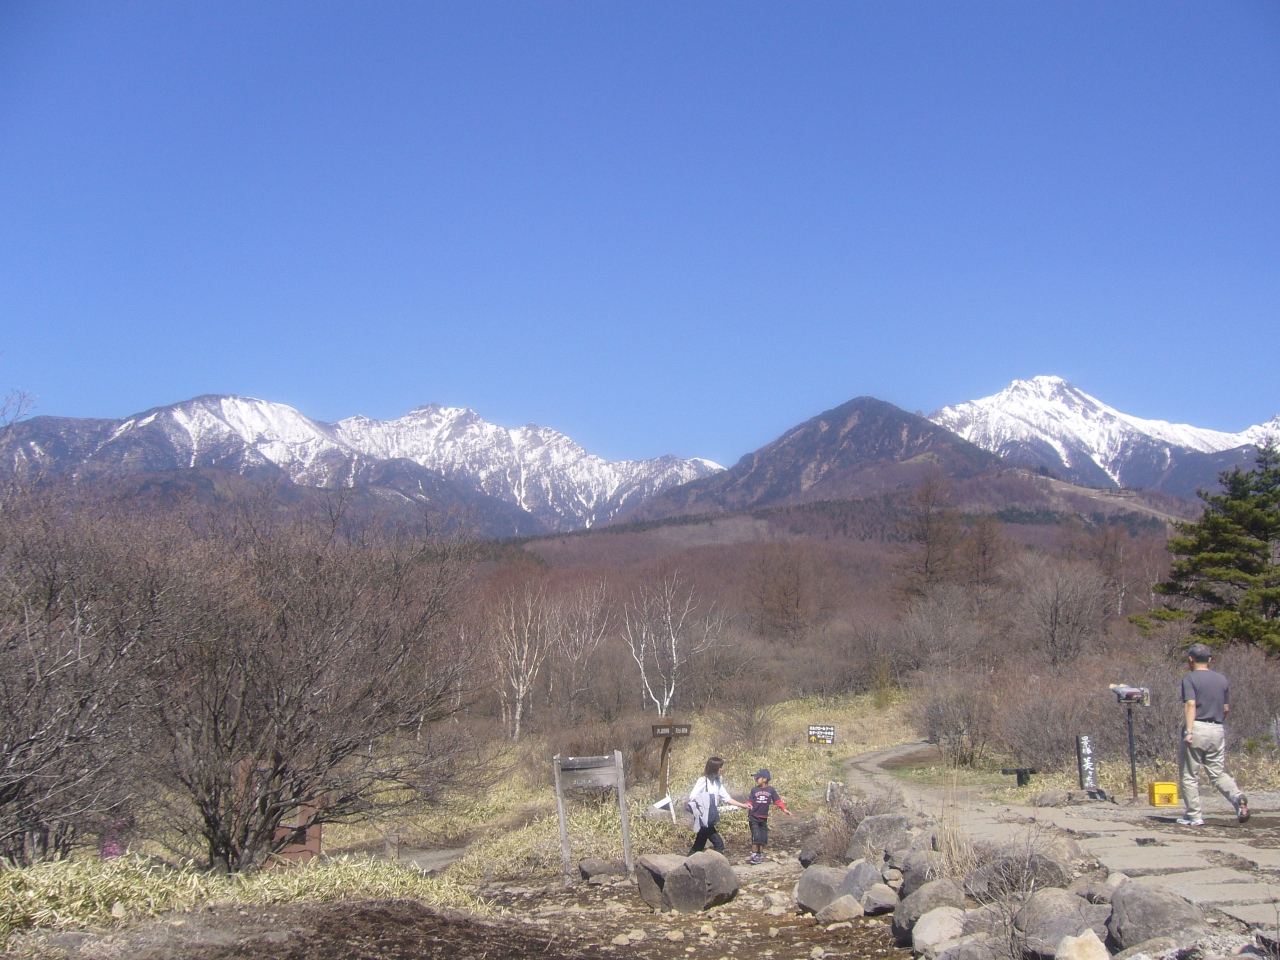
x=1048 y=422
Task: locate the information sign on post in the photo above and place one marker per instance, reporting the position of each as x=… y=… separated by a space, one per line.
x=573 y=772
x=666 y=732
x=661 y=730
x=822 y=733
x=1086 y=762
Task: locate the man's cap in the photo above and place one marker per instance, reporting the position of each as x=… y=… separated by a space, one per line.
x=763 y=773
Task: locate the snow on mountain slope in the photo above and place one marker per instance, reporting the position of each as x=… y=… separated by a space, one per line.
x=534 y=468
x=1047 y=421
x=540 y=469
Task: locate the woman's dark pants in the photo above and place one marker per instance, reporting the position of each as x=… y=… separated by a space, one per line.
x=705 y=834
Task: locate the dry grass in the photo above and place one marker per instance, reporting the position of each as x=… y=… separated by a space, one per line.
x=799 y=770
x=80 y=894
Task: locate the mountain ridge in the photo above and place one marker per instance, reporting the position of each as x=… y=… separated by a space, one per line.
x=860 y=448
x=539 y=470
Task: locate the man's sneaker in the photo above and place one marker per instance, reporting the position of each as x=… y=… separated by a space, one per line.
x=1242 y=809
x=1191 y=821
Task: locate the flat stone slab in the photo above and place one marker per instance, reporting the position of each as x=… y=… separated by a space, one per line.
x=1254 y=914
x=1138 y=861
x=1216 y=886
x=1264 y=858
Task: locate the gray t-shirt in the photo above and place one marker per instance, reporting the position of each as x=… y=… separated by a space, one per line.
x=1208 y=689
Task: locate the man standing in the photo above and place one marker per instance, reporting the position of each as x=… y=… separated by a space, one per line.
x=1205 y=703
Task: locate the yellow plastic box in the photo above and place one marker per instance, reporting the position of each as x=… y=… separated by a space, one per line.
x=1162 y=794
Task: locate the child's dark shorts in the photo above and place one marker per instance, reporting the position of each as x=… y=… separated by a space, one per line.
x=759 y=831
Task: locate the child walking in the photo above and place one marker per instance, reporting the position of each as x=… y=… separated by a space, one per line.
x=704 y=802
x=762 y=795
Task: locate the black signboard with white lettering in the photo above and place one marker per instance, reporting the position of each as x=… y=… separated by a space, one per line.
x=822 y=733
x=1088 y=765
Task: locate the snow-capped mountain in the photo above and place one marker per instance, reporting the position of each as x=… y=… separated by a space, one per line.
x=535 y=469
x=1047 y=422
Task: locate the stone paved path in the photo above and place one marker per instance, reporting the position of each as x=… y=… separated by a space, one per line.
x=1225 y=866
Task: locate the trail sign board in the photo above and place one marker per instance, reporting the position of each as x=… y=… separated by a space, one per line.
x=822 y=733
x=661 y=730
x=605 y=771
x=1086 y=762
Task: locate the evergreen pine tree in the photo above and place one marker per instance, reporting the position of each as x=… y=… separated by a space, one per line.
x=1229 y=560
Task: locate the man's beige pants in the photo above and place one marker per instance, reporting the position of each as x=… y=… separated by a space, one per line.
x=1207 y=749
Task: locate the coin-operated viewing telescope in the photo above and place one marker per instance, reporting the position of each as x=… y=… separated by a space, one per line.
x=1130 y=697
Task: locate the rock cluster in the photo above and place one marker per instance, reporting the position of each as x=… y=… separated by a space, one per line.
x=1027 y=899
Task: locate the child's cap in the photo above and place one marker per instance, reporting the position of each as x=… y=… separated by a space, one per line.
x=763 y=773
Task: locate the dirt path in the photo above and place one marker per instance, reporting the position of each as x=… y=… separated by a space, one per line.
x=1225 y=866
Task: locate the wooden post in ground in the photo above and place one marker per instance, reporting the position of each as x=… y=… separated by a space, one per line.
x=564 y=827
x=622 y=807
x=664 y=764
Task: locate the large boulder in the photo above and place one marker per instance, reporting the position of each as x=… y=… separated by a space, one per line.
x=937 y=927
x=934 y=894
x=1157 y=947
x=703 y=881
x=818 y=886
x=1140 y=912
x=1087 y=946
x=1097 y=887
x=876 y=834
x=991 y=919
x=913 y=842
x=840 y=909
x=686 y=884
x=651 y=875
x=1051 y=914
x=858 y=879
x=880 y=898
x=810 y=851
x=918 y=869
x=1016 y=872
x=972 y=947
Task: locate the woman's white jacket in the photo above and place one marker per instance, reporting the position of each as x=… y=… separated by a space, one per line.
x=700 y=798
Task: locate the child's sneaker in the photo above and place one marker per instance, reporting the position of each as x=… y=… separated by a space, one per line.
x=1242 y=809
x=1190 y=822
x=757 y=858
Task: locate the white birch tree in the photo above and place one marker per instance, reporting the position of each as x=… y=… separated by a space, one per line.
x=523 y=637
x=664 y=628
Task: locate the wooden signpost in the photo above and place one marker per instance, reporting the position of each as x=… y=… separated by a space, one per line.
x=666 y=732
x=574 y=772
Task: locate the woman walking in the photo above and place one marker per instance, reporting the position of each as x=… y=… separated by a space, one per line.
x=704 y=802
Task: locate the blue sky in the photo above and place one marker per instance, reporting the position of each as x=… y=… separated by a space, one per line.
x=657 y=227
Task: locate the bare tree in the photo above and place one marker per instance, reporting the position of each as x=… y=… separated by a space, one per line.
x=1063 y=607
x=303 y=676
x=983 y=555
x=579 y=623
x=932 y=533
x=781 y=595
x=939 y=629
x=73 y=607
x=523 y=636
x=664 y=627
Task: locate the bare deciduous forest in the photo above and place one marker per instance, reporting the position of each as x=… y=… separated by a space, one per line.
x=217 y=676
